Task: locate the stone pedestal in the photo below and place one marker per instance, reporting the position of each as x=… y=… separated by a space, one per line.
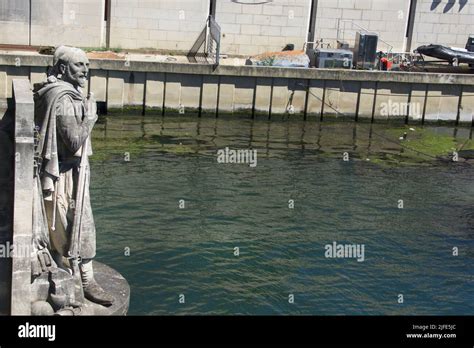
x=114 y=284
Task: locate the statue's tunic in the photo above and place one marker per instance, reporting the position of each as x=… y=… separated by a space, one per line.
x=61 y=112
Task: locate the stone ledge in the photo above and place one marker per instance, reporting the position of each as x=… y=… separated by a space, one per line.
x=34 y=60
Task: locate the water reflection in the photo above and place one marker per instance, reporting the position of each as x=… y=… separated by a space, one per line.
x=273 y=138
x=191 y=251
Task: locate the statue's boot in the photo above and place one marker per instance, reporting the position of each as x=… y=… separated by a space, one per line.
x=92 y=290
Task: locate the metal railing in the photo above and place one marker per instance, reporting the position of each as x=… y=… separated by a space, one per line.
x=206 y=49
x=339 y=21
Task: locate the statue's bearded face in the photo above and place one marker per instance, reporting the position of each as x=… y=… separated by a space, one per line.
x=76 y=70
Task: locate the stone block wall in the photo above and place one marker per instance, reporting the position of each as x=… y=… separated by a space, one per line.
x=443 y=22
x=52 y=22
x=388 y=18
x=250 y=29
x=70 y=22
x=14 y=22
x=157 y=24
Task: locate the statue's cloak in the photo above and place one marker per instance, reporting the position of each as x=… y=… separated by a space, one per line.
x=46 y=102
x=48 y=98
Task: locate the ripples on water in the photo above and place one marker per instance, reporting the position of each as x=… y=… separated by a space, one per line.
x=191 y=251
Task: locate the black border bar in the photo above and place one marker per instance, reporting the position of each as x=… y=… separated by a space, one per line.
x=348 y=330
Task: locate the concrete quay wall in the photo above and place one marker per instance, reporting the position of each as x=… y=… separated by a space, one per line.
x=160 y=88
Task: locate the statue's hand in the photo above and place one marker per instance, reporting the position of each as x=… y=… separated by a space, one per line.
x=91 y=107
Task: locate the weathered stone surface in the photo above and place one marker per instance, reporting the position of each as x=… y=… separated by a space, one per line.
x=23 y=193
x=154 y=91
x=116 y=285
x=262 y=96
x=108 y=278
x=209 y=95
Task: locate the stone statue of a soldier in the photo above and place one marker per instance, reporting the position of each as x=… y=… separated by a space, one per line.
x=64 y=119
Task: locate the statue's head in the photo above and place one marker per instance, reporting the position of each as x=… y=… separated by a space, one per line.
x=70 y=64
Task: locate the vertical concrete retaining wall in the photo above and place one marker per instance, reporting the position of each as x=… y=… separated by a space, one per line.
x=160 y=88
x=267 y=92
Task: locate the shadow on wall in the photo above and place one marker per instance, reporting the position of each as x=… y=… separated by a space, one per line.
x=449 y=5
x=6 y=209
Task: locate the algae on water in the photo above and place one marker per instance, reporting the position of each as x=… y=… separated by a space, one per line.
x=116 y=136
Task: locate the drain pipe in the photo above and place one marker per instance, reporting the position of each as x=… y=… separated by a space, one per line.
x=313 y=10
x=108 y=11
x=410 y=25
